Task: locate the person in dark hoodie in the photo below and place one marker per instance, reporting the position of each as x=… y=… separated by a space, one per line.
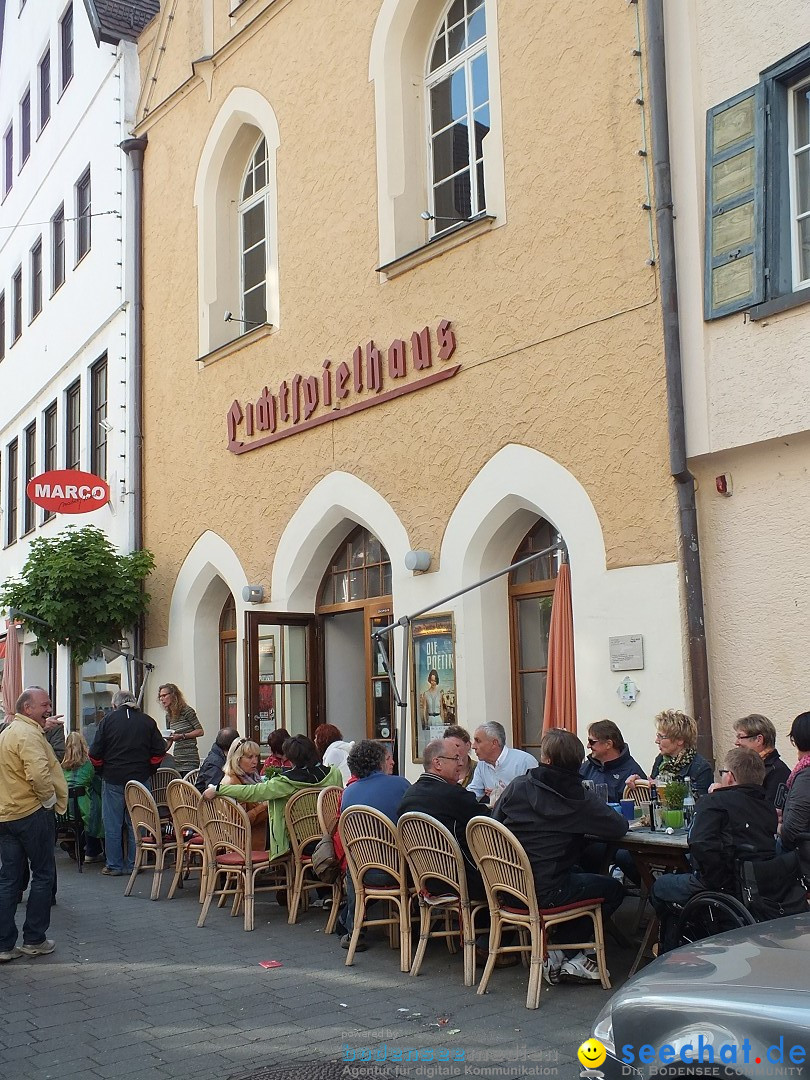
x=735 y=819
x=550 y=813
x=756 y=732
x=609 y=760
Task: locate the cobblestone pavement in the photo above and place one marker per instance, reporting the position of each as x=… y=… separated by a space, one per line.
x=136 y=990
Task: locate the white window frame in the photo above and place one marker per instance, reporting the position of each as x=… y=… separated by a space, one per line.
x=796 y=215
x=432 y=78
x=245 y=205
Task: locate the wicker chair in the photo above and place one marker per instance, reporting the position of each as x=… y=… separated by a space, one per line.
x=70 y=825
x=640 y=793
x=149 y=839
x=434 y=855
x=304 y=830
x=371 y=842
x=184 y=806
x=509 y=883
x=160 y=782
x=191 y=777
x=328 y=813
x=329 y=809
x=226 y=830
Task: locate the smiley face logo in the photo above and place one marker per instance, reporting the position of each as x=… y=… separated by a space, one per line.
x=592 y=1054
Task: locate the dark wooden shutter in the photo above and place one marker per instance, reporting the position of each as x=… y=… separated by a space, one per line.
x=735 y=223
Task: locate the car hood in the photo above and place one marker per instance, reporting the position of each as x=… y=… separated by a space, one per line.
x=773 y=955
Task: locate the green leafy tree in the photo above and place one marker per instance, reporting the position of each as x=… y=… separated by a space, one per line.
x=85 y=593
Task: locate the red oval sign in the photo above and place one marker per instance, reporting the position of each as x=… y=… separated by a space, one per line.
x=68 y=491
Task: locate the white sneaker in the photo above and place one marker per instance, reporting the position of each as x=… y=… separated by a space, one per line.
x=552 y=966
x=580 y=968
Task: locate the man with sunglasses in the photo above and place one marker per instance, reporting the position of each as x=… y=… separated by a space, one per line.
x=609 y=761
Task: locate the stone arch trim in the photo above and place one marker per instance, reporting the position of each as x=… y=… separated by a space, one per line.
x=243 y=107
x=338 y=502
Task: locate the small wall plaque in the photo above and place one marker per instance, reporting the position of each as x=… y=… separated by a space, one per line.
x=627 y=653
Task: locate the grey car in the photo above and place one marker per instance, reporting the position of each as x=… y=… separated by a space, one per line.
x=734 y=1005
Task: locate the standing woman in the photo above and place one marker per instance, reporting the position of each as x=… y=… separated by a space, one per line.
x=182 y=721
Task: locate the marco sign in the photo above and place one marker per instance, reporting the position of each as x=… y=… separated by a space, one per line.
x=68 y=491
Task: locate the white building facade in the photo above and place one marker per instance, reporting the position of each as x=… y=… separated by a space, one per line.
x=68 y=89
x=739 y=104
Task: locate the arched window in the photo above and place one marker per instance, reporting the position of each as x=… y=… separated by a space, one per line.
x=227 y=665
x=457 y=93
x=253 y=229
x=531 y=593
x=360 y=570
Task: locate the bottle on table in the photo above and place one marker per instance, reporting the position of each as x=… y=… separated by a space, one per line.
x=653 y=807
x=688 y=805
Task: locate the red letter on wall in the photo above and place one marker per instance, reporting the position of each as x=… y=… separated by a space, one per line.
x=420 y=343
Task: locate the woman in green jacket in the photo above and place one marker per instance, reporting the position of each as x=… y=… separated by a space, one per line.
x=306 y=772
x=80 y=772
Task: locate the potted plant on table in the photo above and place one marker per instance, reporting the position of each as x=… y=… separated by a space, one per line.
x=672 y=798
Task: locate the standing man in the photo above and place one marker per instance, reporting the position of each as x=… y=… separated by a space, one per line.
x=609 y=760
x=757 y=733
x=127 y=746
x=498 y=764
x=32 y=786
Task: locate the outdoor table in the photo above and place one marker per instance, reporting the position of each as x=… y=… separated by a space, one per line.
x=654 y=853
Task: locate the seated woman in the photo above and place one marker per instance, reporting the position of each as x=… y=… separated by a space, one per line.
x=306 y=772
x=795 y=828
x=678 y=758
x=332 y=748
x=462 y=743
x=80 y=773
x=241 y=767
x=276 y=760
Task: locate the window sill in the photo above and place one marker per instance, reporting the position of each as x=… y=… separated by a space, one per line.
x=235 y=346
x=453 y=238
x=779 y=303
x=80 y=259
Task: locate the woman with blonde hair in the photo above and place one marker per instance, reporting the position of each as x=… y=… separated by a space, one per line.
x=678 y=758
x=80 y=773
x=185 y=728
x=242 y=767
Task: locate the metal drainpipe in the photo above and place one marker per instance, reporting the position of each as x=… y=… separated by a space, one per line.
x=684 y=481
x=134 y=149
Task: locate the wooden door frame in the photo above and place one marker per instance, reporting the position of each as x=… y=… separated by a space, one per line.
x=315 y=681
x=526 y=591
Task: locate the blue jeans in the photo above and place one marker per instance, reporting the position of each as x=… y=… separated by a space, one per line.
x=371 y=877
x=114 y=813
x=29 y=840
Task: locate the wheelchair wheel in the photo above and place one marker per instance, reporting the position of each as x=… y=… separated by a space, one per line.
x=711 y=913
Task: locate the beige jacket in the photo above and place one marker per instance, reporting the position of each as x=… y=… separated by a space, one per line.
x=30 y=774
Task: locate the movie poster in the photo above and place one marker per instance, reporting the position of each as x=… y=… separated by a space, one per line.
x=434 y=679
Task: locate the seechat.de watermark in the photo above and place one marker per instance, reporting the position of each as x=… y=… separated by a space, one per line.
x=702 y=1051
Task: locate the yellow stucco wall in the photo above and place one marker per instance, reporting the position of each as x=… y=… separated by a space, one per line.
x=556 y=313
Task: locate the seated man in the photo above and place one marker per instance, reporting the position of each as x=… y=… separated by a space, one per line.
x=609 y=760
x=213 y=768
x=498 y=764
x=736 y=820
x=756 y=732
x=550 y=813
x=439 y=793
x=460 y=740
x=371 y=765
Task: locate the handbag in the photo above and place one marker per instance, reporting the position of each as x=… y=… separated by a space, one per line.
x=774 y=887
x=324 y=861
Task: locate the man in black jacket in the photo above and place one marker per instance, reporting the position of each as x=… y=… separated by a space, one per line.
x=127 y=746
x=438 y=793
x=550 y=812
x=213 y=768
x=736 y=820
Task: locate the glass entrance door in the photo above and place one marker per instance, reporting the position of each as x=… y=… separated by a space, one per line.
x=380 y=703
x=282 y=674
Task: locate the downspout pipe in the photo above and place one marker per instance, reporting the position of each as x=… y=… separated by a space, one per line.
x=684 y=480
x=135 y=149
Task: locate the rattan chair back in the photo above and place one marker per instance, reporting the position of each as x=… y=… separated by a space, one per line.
x=504 y=864
x=432 y=854
x=640 y=794
x=370 y=842
x=160 y=782
x=143 y=810
x=329 y=808
x=301 y=817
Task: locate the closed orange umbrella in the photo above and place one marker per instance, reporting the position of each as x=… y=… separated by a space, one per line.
x=12 y=672
x=561 y=690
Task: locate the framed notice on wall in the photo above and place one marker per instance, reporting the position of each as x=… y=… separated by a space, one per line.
x=433 y=656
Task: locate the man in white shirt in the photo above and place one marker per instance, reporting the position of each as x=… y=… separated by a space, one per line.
x=498 y=764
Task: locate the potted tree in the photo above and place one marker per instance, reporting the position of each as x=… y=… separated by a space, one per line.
x=672 y=798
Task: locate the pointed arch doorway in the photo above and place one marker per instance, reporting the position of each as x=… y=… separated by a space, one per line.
x=353 y=600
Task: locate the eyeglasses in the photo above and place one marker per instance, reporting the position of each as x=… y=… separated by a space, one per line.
x=741 y=736
x=594 y=742
x=723 y=772
x=446 y=757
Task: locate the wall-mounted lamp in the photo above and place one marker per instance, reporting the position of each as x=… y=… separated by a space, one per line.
x=427 y=216
x=417 y=560
x=253 y=594
x=230 y=317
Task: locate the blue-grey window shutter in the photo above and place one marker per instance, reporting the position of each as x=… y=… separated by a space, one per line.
x=735 y=220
